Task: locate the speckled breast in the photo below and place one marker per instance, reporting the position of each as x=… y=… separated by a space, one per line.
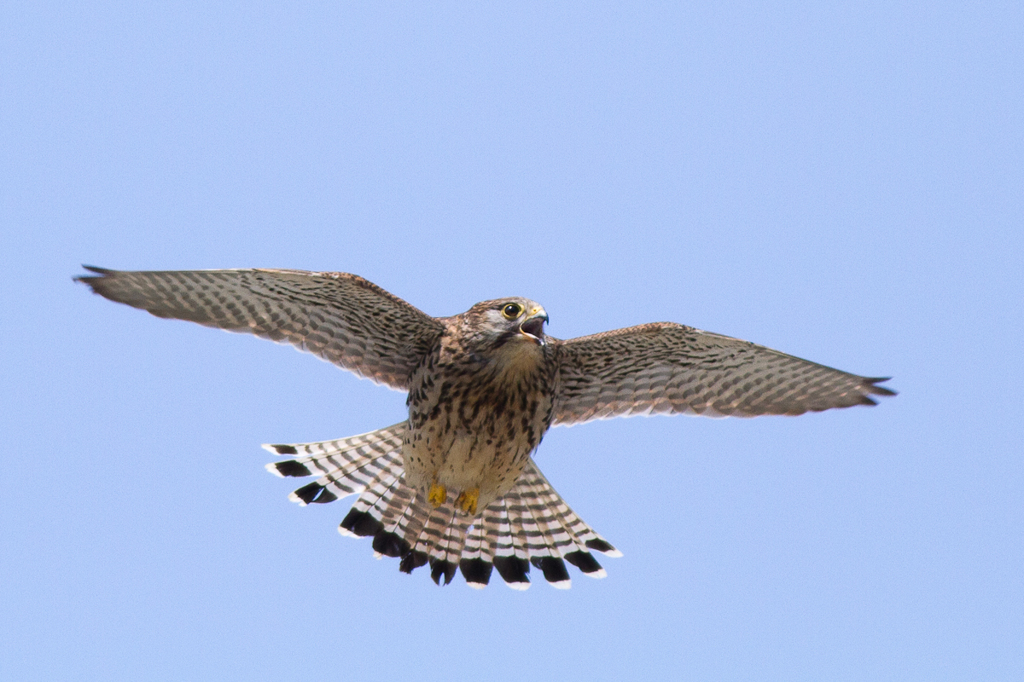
x=474 y=419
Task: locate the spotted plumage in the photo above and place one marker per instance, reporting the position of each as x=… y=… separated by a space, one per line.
x=454 y=485
x=480 y=402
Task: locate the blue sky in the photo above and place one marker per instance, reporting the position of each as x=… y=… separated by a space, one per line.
x=843 y=183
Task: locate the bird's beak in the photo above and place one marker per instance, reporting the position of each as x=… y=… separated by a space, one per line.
x=533 y=326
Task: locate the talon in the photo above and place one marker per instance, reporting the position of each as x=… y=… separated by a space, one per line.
x=467 y=499
x=437 y=495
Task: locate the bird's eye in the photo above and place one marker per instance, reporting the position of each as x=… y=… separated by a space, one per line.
x=512 y=311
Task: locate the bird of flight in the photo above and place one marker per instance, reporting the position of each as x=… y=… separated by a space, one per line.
x=454 y=485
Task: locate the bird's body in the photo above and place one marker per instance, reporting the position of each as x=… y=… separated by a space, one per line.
x=454 y=484
x=479 y=405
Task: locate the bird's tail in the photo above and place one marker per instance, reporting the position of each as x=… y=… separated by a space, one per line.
x=531 y=525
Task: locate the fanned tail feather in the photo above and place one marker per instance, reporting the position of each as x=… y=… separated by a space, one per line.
x=348 y=465
x=531 y=525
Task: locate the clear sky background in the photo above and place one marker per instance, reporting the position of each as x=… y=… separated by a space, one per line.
x=843 y=183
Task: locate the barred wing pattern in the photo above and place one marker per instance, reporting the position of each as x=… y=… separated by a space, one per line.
x=669 y=368
x=530 y=526
x=342 y=318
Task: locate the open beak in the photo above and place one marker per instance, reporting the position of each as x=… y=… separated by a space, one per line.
x=533 y=326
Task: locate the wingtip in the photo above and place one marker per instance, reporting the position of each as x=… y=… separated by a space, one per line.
x=97 y=273
x=871 y=384
x=97 y=269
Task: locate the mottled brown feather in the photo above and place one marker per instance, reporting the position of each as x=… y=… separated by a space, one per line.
x=669 y=368
x=342 y=318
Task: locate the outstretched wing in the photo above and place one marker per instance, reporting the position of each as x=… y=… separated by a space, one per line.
x=341 y=317
x=672 y=369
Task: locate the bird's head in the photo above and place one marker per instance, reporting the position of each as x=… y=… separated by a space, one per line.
x=508 y=320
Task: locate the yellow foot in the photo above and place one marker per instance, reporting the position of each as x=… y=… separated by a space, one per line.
x=437 y=495
x=466 y=501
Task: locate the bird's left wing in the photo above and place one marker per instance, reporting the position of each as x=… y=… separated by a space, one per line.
x=672 y=369
x=342 y=318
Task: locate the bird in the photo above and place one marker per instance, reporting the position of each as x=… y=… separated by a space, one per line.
x=454 y=484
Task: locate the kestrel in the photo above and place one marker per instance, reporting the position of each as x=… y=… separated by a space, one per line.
x=454 y=484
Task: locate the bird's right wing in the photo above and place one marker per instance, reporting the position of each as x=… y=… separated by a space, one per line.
x=342 y=318
x=668 y=368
